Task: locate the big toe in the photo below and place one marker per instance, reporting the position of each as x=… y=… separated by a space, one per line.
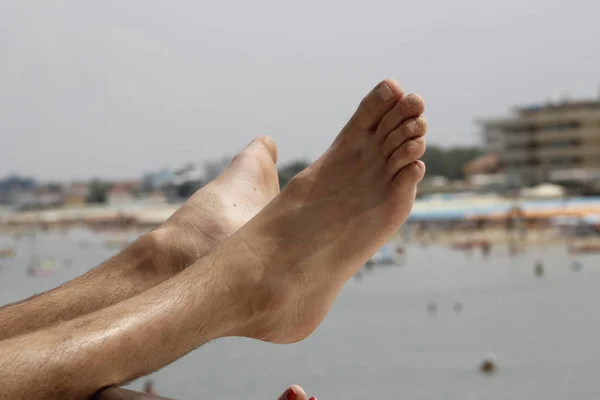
x=256 y=164
x=377 y=103
x=294 y=392
x=263 y=143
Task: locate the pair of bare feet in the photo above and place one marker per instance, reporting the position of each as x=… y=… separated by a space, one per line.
x=245 y=260
x=301 y=245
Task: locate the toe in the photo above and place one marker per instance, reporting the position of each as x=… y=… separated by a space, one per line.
x=413 y=128
x=376 y=104
x=294 y=392
x=266 y=142
x=408 y=152
x=407 y=178
x=262 y=147
x=256 y=163
x=404 y=187
x=408 y=107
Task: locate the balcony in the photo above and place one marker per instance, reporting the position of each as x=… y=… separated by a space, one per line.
x=547 y=153
x=520 y=139
x=523 y=155
x=546 y=137
x=574 y=174
x=524 y=174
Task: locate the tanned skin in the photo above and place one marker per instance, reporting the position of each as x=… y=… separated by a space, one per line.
x=274 y=279
x=207 y=218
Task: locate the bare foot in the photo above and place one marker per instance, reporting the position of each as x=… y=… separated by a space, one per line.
x=223 y=206
x=331 y=218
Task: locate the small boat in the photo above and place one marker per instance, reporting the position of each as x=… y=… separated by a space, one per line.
x=464 y=245
x=387 y=255
x=468 y=245
x=7 y=253
x=576 y=265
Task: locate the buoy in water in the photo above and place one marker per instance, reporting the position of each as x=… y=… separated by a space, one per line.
x=488 y=366
x=576 y=265
x=458 y=307
x=432 y=307
x=538 y=269
x=486 y=248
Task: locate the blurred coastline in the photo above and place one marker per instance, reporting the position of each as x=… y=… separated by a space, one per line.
x=461 y=220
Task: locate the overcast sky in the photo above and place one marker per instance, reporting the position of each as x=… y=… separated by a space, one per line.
x=120 y=87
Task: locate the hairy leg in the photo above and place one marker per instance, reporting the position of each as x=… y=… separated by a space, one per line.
x=116 y=344
x=210 y=215
x=274 y=279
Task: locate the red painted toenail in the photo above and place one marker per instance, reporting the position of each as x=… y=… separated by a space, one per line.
x=313 y=398
x=290 y=395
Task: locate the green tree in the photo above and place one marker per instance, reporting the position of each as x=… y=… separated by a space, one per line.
x=449 y=162
x=288 y=171
x=98 y=191
x=446 y=162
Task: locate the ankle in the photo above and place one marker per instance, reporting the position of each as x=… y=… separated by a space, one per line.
x=171 y=253
x=256 y=299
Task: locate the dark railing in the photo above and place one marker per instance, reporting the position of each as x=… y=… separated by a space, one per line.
x=124 y=394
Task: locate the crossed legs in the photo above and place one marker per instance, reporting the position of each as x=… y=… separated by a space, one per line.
x=274 y=279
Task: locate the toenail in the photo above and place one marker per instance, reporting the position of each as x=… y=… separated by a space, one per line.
x=385 y=93
x=290 y=395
